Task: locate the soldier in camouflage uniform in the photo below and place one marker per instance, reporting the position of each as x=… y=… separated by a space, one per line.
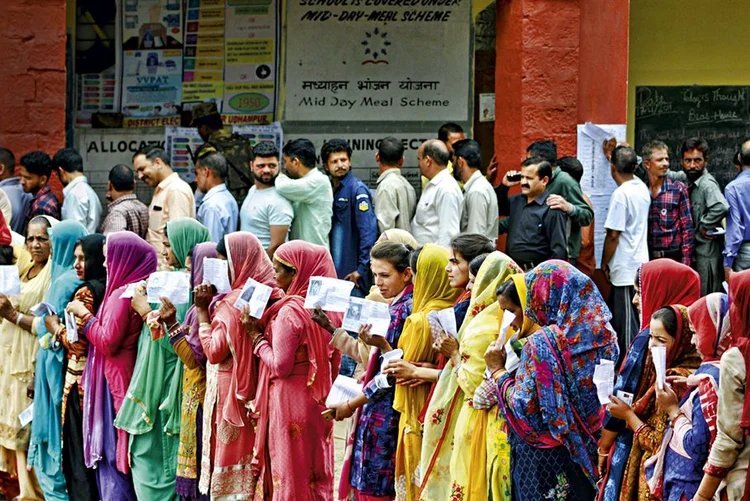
x=236 y=149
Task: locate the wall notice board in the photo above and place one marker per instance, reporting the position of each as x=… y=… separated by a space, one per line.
x=718 y=114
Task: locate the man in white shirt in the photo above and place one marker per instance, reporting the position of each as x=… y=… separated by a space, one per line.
x=480 y=211
x=395 y=198
x=80 y=201
x=310 y=192
x=438 y=216
x=172 y=197
x=218 y=209
x=265 y=213
x=626 y=243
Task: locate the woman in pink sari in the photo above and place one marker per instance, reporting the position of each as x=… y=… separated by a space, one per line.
x=113 y=339
x=231 y=375
x=297 y=367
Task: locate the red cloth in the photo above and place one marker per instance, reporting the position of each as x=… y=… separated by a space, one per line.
x=5 y=238
x=664 y=282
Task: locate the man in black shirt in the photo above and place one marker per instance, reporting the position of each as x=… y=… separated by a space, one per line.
x=536 y=232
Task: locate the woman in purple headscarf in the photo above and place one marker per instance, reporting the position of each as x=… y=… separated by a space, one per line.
x=113 y=336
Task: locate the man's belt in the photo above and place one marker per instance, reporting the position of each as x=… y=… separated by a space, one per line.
x=668 y=254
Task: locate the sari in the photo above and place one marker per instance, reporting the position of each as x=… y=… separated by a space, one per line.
x=449 y=452
x=188 y=347
x=18 y=350
x=663 y=282
x=551 y=404
x=297 y=369
x=80 y=480
x=432 y=291
x=45 y=447
x=676 y=470
x=231 y=379
x=151 y=411
x=113 y=337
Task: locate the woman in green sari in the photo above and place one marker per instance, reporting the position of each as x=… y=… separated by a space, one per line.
x=151 y=410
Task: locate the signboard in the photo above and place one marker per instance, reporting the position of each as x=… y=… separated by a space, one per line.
x=364 y=146
x=365 y=60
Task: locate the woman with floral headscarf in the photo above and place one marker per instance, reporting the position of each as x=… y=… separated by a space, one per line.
x=675 y=471
x=551 y=404
x=727 y=466
x=297 y=370
x=227 y=469
x=45 y=448
x=454 y=444
x=659 y=283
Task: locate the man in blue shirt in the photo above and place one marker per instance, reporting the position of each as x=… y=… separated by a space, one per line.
x=354 y=227
x=19 y=200
x=737 y=240
x=218 y=210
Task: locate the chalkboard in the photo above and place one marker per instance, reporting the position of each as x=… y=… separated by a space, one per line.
x=718 y=114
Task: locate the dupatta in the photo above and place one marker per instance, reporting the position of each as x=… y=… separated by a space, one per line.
x=554 y=399
x=432 y=291
x=478 y=330
x=46 y=426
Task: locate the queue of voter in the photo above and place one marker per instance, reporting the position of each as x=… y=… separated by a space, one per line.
x=187 y=349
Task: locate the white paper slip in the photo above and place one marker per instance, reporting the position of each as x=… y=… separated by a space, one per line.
x=508 y=319
x=659 y=356
x=71 y=327
x=604 y=379
x=328 y=293
x=216 y=273
x=10 y=283
x=725 y=285
x=511 y=359
x=42 y=309
x=130 y=289
x=447 y=319
x=344 y=388
x=625 y=397
x=256 y=295
x=27 y=415
x=363 y=311
x=174 y=285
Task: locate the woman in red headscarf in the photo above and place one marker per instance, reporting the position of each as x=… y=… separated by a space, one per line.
x=231 y=374
x=730 y=454
x=297 y=367
x=659 y=283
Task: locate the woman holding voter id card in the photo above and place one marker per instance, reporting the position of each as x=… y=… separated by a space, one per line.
x=17 y=354
x=624 y=444
x=297 y=369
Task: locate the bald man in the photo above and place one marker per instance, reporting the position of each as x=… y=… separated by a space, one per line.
x=438 y=216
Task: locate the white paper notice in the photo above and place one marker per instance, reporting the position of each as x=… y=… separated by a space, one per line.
x=659 y=356
x=71 y=327
x=344 y=388
x=216 y=273
x=174 y=285
x=328 y=293
x=604 y=379
x=27 y=415
x=256 y=295
x=447 y=319
x=364 y=311
x=130 y=289
x=42 y=309
x=10 y=283
x=508 y=318
x=511 y=359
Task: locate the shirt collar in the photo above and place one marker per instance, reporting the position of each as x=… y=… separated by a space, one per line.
x=393 y=171
x=167 y=181
x=46 y=190
x=213 y=191
x=438 y=177
x=73 y=184
x=540 y=200
x=471 y=181
x=123 y=198
x=744 y=173
x=11 y=181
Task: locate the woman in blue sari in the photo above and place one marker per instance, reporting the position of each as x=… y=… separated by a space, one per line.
x=550 y=403
x=45 y=448
x=659 y=283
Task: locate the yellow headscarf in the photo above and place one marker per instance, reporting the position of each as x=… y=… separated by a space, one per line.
x=432 y=291
x=528 y=327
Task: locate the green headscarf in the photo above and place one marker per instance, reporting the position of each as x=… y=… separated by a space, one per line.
x=183 y=234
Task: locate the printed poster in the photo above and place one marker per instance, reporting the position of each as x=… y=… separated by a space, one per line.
x=203 y=63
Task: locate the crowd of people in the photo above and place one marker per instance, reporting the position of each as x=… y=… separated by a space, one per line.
x=109 y=396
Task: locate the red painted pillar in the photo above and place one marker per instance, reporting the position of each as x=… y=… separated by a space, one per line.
x=32 y=83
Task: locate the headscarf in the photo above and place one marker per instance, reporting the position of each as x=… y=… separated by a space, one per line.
x=664 y=282
x=432 y=291
x=48 y=384
x=191 y=324
x=574 y=337
x=400 y=236
x=129 y=259
x=709 y=316
x=94 y=272
x=157 y=381
x=5 y=236
x=528 y=326
x=309 y=260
